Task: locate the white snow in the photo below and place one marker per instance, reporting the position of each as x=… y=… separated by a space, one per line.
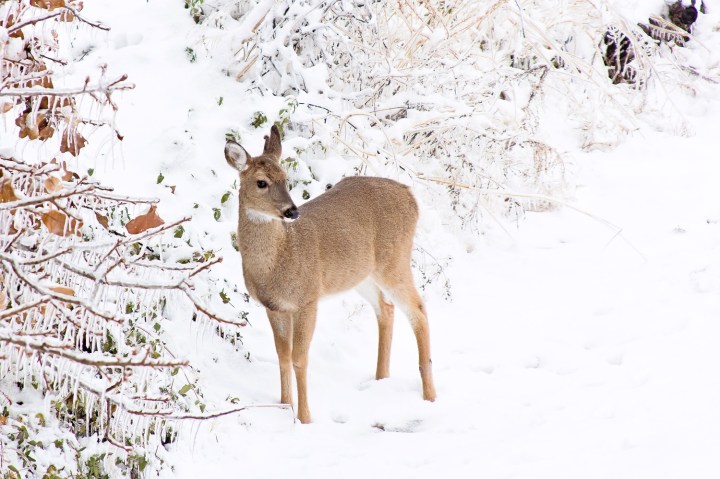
x=572 y=348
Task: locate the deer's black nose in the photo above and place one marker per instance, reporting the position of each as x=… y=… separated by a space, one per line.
x=291 y=213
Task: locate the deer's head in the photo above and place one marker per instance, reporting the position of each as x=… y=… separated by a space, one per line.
x=263 y=182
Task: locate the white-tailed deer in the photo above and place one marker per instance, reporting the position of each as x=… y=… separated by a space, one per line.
x=357 y=234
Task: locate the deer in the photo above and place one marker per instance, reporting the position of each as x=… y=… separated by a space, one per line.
x=357 y=234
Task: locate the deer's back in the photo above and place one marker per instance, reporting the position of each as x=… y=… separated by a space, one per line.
x=363 y=226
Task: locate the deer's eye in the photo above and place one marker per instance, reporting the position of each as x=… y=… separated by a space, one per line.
x=262 y=184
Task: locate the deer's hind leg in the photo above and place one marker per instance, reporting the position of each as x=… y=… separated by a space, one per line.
x=401 y=290
x=385 y=312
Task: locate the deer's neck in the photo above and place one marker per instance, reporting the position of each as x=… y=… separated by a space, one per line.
x=264 y=248
x=260 y=241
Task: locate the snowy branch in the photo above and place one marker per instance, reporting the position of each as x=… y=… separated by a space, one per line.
x=58 y=348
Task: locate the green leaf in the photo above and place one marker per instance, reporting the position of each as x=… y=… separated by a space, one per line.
x=160 y=178
x=185 y=389
x=225 y=197
x=233 y=135
x=174 y=371
x=225 y=298
x=179 y=231
x=156 y=327
x=259 y=119
x=14 y=469
x=217 y=214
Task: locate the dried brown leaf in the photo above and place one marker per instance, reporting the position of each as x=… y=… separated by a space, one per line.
x=72 y=142
x=46 y=133
x=17 y=33
x=69 y=174
x=67 y=16
x=63 y=290
x=102 y=219
x=7 y=192
x=34 y=127
x=144 y=222
x=53 y=184
x=59 y=224
x=6 y=107
x=47 y=4
x=3 y=300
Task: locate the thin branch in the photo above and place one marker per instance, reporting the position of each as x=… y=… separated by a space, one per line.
x=55 y=295
x=35 y=200
x=32 y=21
x=63 y=350
x=65 y=92
x=200 y=307
x=102 y=278
x=45 y=258
x=8 y=313
x=205 y=266
x=84 y=20
x=168 y=414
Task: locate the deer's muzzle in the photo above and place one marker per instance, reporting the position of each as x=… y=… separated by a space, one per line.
x=291 y=213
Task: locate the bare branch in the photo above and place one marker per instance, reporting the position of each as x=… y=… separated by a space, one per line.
x=33 y=21
x=200 y=307
x=9 y=313
x=55 y=295
x=169 y=414
x=36 y=200
x=69 y=92
x=55 y=347
x=84 y=20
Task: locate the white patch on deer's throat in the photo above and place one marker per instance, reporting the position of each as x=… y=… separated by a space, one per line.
x=258 y=216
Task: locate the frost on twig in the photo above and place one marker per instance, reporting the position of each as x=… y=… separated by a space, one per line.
x=84 y=293
x=30 y=64
x=464 y=91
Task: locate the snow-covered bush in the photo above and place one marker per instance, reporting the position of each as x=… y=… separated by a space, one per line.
x=455 y=94
x=89 y=279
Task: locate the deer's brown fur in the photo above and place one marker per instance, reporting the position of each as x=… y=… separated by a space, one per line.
x=358 y=232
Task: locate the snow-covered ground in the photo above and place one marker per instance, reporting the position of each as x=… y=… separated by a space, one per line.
x=571 y=349
x=569 y=353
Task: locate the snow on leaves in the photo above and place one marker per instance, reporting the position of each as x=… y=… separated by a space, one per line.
x=30 y=50
x=83 y=303
x=58 y=223
x=7 y=192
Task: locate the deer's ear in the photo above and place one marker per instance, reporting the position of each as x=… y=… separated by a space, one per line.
x=236 y=156
x=273 y=148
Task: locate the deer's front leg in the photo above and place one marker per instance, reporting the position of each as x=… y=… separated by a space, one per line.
x=304 y=326
x=282 y=328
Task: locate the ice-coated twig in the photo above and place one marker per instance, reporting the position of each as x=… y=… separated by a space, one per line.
x=170 y=414
x=70 y=92
x=9 y=313
x=36 y=200
x=59 y=348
